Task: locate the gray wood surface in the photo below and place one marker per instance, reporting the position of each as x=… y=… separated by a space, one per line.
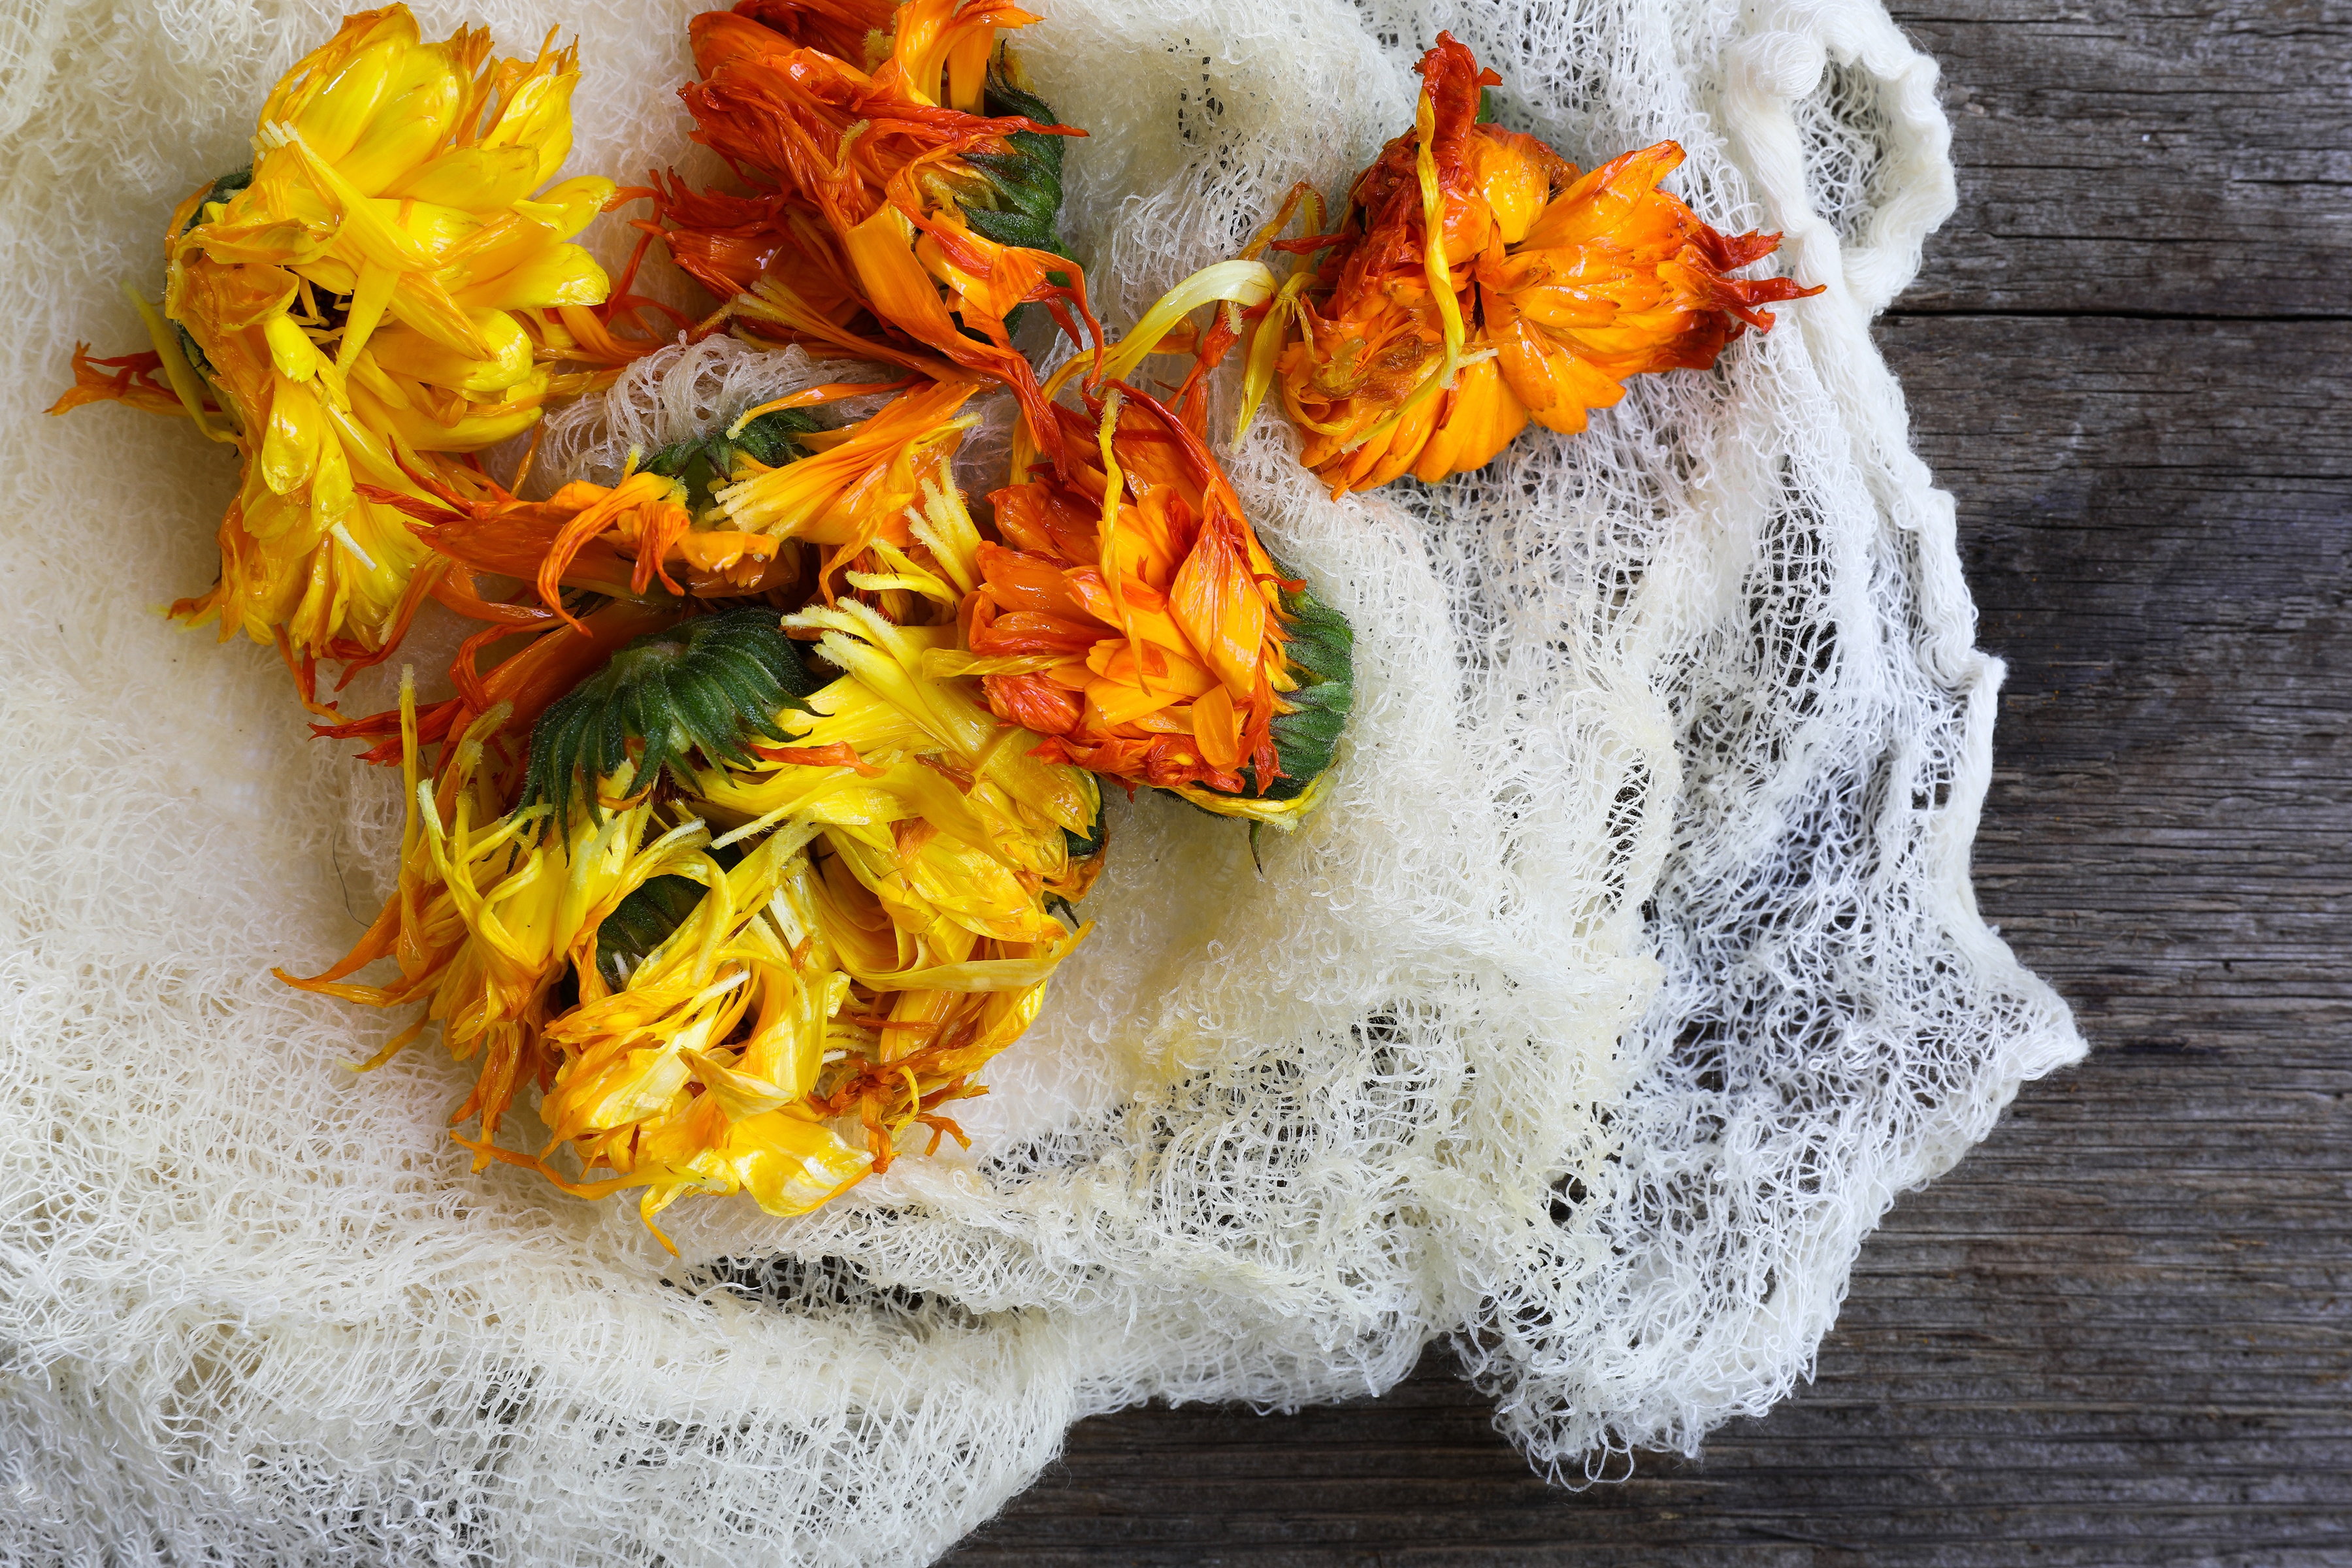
x=2121 y=1333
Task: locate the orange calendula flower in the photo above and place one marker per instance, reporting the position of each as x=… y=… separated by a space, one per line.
x=742 y=931
x=713 y=517
x=1479 y=281
x=384 y=289
x=903 y=185
x=1131 y=615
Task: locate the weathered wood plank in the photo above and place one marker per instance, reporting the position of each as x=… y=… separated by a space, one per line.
x=2178 y=159
x=2123 y=1329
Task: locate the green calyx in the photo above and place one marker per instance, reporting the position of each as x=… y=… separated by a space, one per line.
x=1027 y=181
x=704 y=463
x=1090 y=845
x=224 y=190
x=1322 y=651
x=642 y=923
x=706 y=685
x=645 y=919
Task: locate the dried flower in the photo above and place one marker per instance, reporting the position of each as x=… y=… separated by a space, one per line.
x=903 y=193
x=1131 y=615
x=381 y=291
x=710 y=517
x=1478 y=282
x=770 y=1010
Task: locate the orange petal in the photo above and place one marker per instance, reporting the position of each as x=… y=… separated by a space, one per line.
x=1545 y=375
x=1515 y=174
x=990 y=278
x=1217 y=603
x=1607 y=204
x=722 y=39
x=881 y=250
x=1476 y=420
x=1217 y=729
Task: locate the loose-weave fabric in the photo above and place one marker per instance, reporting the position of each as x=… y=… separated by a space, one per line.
x=1628 y=972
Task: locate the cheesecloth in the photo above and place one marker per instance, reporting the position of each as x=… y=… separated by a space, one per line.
x=1629 y=972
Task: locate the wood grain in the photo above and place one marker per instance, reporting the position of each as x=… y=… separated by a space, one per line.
x=2121 y=1331
x=2118 y=157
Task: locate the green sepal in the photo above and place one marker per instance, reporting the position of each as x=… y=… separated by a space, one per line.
x=645 y=919
x=705 y=684
x=224 y=190
x=1027 y=181
x=642 y=923
x=1322 y=651
x=1090 y=844
x=704 y=463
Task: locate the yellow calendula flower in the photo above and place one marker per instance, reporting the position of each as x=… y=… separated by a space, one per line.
x=744 y=932
x=383 y=291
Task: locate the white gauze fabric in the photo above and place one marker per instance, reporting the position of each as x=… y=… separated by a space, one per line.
x=1628 y=971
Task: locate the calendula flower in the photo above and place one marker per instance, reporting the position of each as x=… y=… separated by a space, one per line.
x=903 y=193
x=1128 y=612
x=523 y=683
x=1479 y=281
x=382 y=291
x=900 y=723
x=1133 y=619
x=714 y=516
x=706 y=685
x=767 y=1011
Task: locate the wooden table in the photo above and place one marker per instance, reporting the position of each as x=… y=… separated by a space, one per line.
x=2121 y=1333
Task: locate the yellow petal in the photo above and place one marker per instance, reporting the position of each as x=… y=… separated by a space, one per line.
x=334 y=105
x=419 y=301
x=626 y=1087
x=740 y=1094
x=477 y=179
x=415 y=111
x=564 y=210
x=558 y=275
x=482 y=426
x=371 y=296
x=331 y=494
x=790 y=1165
x=538 y=115
x=403 y=351
x=371 y=233
x=292 y=353
x=290 y=449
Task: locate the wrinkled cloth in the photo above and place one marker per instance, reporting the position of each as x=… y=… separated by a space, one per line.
x=1628 y=972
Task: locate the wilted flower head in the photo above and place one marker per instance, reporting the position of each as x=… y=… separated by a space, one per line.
x=902 y=185
x=744 y=930
x=710 y=517
x=1127 y=611
x=384 y=289
x=1478 y=281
